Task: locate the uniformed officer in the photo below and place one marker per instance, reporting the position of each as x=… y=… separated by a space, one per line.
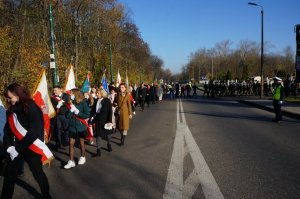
x=278 y=96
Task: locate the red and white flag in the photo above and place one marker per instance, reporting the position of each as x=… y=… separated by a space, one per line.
x=118 y=82
x=42 y=99
x=70 y=81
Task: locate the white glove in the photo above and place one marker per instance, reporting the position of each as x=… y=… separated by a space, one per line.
x=130 y=116
x=74 y=109
x=108 y=126
x=60 y=103
x=280 y=102
x=12 y=152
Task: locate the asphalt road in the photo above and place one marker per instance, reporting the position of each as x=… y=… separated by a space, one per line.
x=248 y=156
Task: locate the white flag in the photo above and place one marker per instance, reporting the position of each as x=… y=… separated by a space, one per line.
x=127 y=81
x=70 y=81
x=118 y=82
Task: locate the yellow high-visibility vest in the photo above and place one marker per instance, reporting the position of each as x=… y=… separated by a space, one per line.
x=277 y=91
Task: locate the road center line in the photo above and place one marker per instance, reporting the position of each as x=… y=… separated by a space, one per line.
x=175 y=187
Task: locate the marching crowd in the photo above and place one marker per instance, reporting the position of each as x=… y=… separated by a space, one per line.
x=83 y=116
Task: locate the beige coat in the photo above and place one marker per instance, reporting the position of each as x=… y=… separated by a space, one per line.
x=124 y=106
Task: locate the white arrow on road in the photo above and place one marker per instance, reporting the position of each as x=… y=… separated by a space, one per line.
x=201 y=175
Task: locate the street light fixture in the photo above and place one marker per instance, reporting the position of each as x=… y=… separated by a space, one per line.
x=262 y=49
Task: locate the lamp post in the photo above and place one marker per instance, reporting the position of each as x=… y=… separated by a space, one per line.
x=262 y=49
x=52 y=55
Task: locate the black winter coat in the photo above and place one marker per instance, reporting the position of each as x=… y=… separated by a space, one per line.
x=32 y=121
x=105 y=114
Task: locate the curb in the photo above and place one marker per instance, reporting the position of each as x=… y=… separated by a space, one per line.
x=284 y=112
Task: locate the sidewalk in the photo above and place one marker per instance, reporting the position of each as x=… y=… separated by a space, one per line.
x=288 y=109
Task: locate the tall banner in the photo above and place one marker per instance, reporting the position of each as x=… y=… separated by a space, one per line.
x=2 y=120
x=70 y=80
x=41 y=97
x=118 y=82
x=86 y=87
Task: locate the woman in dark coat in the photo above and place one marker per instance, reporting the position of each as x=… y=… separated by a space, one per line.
x=19 y=143
x=102 y=111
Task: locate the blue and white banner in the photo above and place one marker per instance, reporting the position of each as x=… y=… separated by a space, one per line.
x=104 y=83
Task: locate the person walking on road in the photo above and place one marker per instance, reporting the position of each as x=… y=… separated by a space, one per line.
x=102 y=114
x=77 y=114
x=125 y=112
x=24 y=140
x=142 y=91
x=59 y=100
x=278 y=96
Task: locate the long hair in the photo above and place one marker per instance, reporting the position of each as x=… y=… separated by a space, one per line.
x=79 y=97
x=21 y=92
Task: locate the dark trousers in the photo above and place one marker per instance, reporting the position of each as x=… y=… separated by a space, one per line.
x=132 y=107
x=35 y=165
x=142 y=103
x=277 y=110
x=62 y=126
x=101 y=134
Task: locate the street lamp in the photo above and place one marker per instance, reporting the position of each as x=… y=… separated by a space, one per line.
x=262 y=48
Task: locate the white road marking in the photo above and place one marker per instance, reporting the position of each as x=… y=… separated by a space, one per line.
x=201 y=175
x=190 y=185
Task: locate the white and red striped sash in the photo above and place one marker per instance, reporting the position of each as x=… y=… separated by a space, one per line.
x=37 y=146
x=56 y=98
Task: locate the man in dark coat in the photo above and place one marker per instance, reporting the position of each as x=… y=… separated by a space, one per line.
x=61 y=123
x=142 y=91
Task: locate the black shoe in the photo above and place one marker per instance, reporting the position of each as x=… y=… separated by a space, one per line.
x=98 y=153
x=123 y=140
x=109 y=147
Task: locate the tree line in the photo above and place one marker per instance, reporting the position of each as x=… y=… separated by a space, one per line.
x=224 y=63
x=84 y=32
